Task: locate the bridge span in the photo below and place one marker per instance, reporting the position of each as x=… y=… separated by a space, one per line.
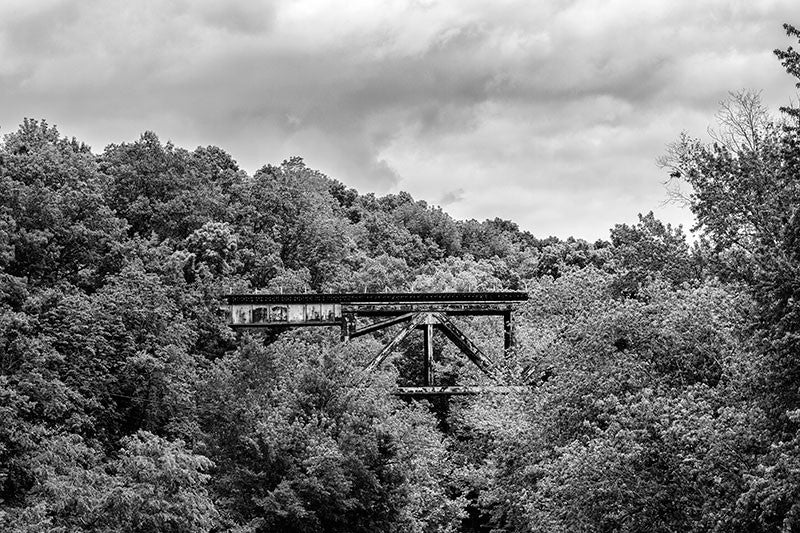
x=358 y=314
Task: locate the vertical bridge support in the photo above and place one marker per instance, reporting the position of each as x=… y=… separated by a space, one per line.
x=427 y=358
x=425 y=311
x=508 y=331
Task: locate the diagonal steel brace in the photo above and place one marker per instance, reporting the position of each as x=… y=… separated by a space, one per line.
x=402 y=334
x=382 y=324
x=469 y=348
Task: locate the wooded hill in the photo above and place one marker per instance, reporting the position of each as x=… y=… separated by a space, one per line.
x=127 y=404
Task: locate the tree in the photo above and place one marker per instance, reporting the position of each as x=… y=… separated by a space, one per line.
x=745 y=195
x=54 y=223
x=640 y=424
x=647 y=250
x=790 y=59
x=214 y=246
x=153 y=486
x=292 y=206
x=300 y=451
x=165 y=190
x=741 y=190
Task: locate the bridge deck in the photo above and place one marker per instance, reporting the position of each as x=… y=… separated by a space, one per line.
x=378 y=297
x=309 y=309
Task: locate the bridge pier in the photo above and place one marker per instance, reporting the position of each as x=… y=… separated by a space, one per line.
x=427 y=360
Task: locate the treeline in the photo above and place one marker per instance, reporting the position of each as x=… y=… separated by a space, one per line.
x=672 y=401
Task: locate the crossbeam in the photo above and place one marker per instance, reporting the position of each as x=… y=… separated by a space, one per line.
x=380 y=325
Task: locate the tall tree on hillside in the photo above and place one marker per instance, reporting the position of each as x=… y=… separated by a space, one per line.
x=165 y=190
x=292 y=206
x=648 y=249
x=55 y=225
x=745 y=192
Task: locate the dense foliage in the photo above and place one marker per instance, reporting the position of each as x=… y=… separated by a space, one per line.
x=671 y=398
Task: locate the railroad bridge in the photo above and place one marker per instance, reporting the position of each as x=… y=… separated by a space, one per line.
x=428 y=312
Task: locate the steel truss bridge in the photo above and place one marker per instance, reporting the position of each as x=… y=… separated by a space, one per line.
x=428 y=312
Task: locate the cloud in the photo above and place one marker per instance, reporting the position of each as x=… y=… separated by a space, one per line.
x=550 y=114
x=452 y=197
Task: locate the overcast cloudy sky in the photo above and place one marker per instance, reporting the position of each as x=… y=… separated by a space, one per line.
x=547 y=113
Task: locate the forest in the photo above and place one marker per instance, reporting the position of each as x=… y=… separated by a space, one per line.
x=672 y=398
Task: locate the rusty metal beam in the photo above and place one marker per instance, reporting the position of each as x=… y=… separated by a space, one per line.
x=345 y=331
x=453 y=390
x=527 y=375
x=378 y=297
x=427 y=359
x=380 y=325
x=508 y=332
x=463 y=342
x=475 y=308
x=264 y=325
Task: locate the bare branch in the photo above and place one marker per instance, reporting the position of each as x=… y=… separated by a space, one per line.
x=742 y=121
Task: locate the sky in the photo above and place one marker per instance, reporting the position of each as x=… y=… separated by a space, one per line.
x=549 y=113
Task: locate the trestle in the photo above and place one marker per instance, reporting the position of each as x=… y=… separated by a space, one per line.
x=425 y=311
